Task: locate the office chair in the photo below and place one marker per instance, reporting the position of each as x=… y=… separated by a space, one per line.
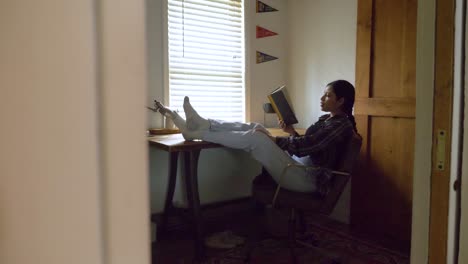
x=271 y=193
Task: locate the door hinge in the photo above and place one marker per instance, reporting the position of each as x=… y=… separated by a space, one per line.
x=440 y=162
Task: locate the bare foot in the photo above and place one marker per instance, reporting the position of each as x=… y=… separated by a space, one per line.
x=194 y=120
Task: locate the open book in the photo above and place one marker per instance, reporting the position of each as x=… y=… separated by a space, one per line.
x=281 y=106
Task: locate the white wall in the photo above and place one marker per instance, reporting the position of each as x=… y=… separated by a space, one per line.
x=322 y=37
x=265 y=77
x=154 y=36
x=61 y=193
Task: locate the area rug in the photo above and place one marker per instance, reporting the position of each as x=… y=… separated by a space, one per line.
x=319 y=245
x=350 y=249
x=324 y=242
x=274 y=251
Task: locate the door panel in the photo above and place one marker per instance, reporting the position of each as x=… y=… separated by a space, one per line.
x=394 y=49
x=391 y=158
x=381 y=199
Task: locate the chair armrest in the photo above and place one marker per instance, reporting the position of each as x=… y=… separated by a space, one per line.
x=305 y=167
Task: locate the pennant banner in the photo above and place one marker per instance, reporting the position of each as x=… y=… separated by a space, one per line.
x=263 y=32
x=262 y=57
x=262 y=7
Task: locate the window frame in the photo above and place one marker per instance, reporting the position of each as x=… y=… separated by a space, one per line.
x=245 y=63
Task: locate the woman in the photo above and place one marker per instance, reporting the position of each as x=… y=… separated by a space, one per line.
x=321 y=145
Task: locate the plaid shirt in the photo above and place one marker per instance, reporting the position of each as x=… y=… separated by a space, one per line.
x=323 y=141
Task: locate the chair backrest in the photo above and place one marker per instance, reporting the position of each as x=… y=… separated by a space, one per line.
x=339 y=182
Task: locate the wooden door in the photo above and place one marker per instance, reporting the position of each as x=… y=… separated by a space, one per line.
x=381 y=198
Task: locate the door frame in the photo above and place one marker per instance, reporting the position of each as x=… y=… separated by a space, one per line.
x=463 y=224
x=121 y=85
x=432 y=239
x=454 y=209
x=442 y=128
x=425 y=46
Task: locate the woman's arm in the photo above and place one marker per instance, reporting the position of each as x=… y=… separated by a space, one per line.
x=287 y=128
x=326 y=136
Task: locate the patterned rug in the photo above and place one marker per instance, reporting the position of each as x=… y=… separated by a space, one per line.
x=319 y=245
x=324 y=242
x=274 y=251
x=348 y=248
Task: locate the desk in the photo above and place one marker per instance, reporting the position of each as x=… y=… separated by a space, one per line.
x=175 y=144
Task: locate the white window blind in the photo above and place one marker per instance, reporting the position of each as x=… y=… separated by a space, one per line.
x=206 y=57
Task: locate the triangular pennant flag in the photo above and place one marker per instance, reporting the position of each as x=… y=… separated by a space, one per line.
x=262 y=7
x=262 y=57
x=263 y=32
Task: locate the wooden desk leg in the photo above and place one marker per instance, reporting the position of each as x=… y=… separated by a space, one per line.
x=170 y=189
x=191 y=182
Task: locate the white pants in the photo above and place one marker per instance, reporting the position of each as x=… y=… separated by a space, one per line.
x=263 y=149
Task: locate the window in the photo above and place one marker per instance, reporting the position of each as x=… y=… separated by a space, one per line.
x=206 y=57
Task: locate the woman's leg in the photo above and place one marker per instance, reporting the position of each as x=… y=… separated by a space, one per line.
x=220 y=125
x=196 y=122
x=179 y=122
x=245 y=137
x=264 y=150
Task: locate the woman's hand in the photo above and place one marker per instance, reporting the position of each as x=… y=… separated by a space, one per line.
x=287 y=128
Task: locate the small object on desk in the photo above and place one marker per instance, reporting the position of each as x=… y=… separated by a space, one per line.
x=162 y=131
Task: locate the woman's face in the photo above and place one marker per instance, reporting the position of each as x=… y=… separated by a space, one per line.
x=329 y=102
